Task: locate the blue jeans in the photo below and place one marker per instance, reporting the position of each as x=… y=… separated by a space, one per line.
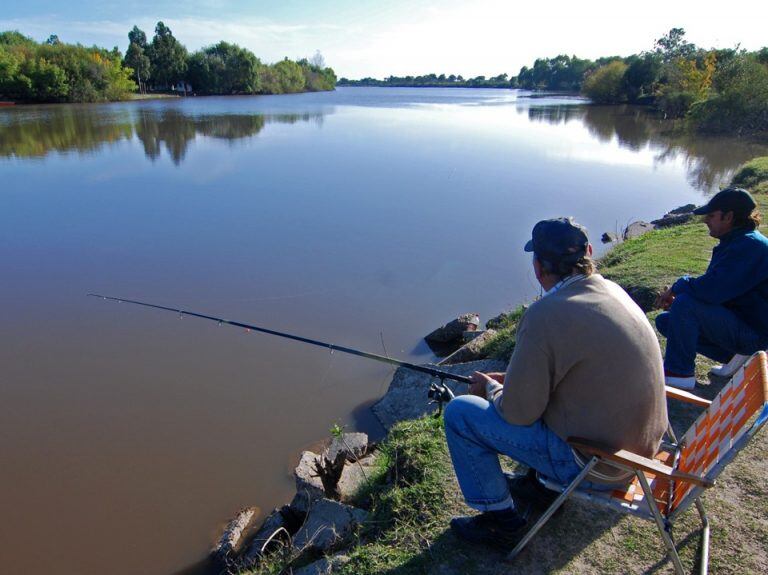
x=476 y=436
x=692 y=326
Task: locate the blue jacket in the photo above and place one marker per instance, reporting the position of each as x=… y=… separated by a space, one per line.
x=737 y=278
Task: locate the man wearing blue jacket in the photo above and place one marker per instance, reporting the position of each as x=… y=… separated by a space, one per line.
x=722 y=314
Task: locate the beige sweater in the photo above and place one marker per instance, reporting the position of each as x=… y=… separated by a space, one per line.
x=588 y=362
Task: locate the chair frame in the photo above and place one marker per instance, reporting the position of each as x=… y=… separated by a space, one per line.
x=640 y=466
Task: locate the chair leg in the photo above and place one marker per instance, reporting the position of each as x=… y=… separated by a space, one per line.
x=704 y=537
x=660 y=523
x=551 y=509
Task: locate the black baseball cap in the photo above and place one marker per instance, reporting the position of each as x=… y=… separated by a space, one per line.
x=556 y=239
x=736 y=200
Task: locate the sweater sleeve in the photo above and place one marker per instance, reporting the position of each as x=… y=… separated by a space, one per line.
x=728 y=277
x=527 y=385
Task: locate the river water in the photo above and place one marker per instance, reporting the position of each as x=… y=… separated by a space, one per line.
x=365 y=217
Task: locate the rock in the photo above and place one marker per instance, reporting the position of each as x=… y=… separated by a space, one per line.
x=643 y=296
x=686 y=209
x=470 y=351
x=323 y=566
x=470 y=335
x=307 y=480
x=452 y=330
x=328 y=525
x=233 y=537
x=406 y=397
x=672 y=220
x=354 y=445
x=302 y=502
x=274 y=528
x=609 y=237
x=637 y=229
x=354 y=476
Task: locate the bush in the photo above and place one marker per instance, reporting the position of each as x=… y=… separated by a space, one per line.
x=606 y=85
x=740 y=103
x=60 y=72
x=752 y=175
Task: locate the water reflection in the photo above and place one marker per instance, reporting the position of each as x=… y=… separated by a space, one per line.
x=73 y=130
x=709 y=160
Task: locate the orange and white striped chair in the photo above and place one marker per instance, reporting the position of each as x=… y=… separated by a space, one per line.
x=676 y=478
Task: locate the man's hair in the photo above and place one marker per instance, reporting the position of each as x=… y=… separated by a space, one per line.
x=566 y=267
x=749 y=221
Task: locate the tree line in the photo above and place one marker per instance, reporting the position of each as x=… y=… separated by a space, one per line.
x=223 y=68
x=716 y=90
x=53 y=71
x=433 y=81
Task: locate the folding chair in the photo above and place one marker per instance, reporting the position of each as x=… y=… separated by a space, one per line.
x=678 y=475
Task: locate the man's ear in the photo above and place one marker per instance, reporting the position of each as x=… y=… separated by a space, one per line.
x=589 y=250
x=728 y=217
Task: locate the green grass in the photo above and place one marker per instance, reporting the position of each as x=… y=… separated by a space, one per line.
x=645 y=265
x=753 y=175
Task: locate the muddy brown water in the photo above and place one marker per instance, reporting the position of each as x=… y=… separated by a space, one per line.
x=129 y=436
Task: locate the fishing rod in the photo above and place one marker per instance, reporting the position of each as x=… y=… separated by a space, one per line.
x=439 y=393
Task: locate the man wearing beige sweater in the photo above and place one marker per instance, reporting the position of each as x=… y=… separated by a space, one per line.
x=586 y=364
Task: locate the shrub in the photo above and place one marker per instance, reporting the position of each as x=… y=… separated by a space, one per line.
x=753 y=174
x=740 y=103
x=606 y=85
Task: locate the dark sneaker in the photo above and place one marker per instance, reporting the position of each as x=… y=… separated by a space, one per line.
x=497 y=529
x=528 y=488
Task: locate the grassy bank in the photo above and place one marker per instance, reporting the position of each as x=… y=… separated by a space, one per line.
x=414 y=492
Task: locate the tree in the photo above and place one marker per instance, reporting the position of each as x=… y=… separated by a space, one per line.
x=673 y=45
x=225 y=69
x=317 y=60
x=53 y=40
x=286 y=77
x=138 y=61
x=641 y=76
x=138 y=37
x=740 y=101
x=605 y=85
x=168 y=58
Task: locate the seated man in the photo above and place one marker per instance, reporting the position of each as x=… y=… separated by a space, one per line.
x=725 y=311
x=586 y=364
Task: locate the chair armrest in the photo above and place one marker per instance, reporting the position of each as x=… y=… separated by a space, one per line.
x=686 y=396
x=636 y=462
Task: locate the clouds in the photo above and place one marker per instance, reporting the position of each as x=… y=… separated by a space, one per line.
x=485 y=37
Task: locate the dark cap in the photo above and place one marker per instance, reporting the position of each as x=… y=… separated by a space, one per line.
x=556 y=239
x=734 y=200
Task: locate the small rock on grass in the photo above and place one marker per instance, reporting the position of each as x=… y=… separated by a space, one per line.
x=354 y=476
x=323 y=566
x=637 y=229
x=328 y=525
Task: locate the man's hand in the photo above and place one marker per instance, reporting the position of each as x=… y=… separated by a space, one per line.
x=479 y=381
x=664 y=299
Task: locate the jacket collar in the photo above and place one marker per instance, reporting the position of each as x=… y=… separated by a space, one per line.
x=733 y=234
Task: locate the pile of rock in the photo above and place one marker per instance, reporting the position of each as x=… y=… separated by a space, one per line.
x=447 y=338
x=319 y=519
x=674 y=217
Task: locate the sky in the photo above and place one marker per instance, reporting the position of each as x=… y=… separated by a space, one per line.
x=361 y=38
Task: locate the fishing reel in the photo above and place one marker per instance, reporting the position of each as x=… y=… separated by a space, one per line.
x=439 y=393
